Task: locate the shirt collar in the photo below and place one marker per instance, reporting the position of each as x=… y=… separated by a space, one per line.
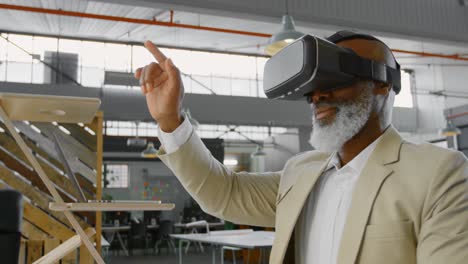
x=356 y=164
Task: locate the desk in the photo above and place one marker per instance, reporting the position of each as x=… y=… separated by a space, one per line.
x=244 y=238
x=211 y=225
x=152 y=227
x=112 y=231
x=191 y=228
x=105 y=245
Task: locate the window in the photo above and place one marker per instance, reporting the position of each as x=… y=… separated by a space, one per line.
x=115 y=176
x=150 y=129
x=405 y=97
x=127 y=128
x=252 y=132
x=225 y=74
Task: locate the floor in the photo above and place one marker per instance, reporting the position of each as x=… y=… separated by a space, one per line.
x=189 y=258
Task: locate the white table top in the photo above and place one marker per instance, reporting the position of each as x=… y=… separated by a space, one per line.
x=115 y=228
x=184 y=225
x=124 y=228
x=242 y=239
x=104 y=242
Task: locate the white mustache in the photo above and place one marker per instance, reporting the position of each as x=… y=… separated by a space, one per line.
x=314 y=107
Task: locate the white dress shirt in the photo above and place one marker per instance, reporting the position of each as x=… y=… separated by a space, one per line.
x=321 y=223
x=322 y=220
x=172 y=141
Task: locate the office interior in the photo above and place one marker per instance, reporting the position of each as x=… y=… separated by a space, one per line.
x=91 y=49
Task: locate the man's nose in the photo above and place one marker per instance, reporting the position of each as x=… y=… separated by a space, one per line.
x=317 y=96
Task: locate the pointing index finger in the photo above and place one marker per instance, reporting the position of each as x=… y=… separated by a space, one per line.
x=158 y=55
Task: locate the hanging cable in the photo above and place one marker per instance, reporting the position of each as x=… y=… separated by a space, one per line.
x=43 y=62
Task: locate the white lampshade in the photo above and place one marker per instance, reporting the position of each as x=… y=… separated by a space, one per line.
x=450 y=130
x=150 y=152
x=258 y=152
x=283 y=38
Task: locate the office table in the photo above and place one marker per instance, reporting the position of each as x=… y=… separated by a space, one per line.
x=244 y=238
x=112 y=231
x=193 y=228
x=186 y=225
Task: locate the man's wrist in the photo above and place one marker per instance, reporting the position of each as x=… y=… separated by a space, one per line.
x=168 y=125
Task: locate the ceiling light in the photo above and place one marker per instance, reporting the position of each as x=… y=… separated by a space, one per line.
x=450 y=130
x=150 y=152
x=89 y=130
x=35 y=129
x=259 y=152
x=64 y=130
x=136 y=141
x=281 y=39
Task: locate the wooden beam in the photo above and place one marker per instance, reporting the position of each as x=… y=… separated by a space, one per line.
x=85 y=257
x=93 y=125
x=71 y=258
x=48 y=146
x=22 y=253
x=41 y=199
x=34 y=248
x=35 y=232
x=98 y=124
x=32 y=232
x=74 y=147
x=65 y=248
x=84 y=181
x=15 y=165
x=49 y=245
x=81 y=135
x=69 y=172
x=53 y=159
x=112 y=206
x=58 y=179
x=48 y=224
x=53 y=191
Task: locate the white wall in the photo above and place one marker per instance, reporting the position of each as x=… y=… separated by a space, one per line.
x=430 y=117
x=157 y=174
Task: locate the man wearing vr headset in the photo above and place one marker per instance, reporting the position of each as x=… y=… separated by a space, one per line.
x=364 y=196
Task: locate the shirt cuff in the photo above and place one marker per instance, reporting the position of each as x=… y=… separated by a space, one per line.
x=171 y=142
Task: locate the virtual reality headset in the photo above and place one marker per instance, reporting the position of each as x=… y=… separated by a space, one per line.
x=311 y=63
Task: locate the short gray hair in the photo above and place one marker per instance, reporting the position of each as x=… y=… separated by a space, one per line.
x=386 y=110
x=385 y=115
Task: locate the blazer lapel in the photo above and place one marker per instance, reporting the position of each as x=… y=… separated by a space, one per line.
x=292 y=208
x=367 y=187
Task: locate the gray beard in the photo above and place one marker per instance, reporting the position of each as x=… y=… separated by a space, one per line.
x=349 y=120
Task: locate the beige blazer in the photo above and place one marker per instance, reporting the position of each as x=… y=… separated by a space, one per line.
x=409 y=205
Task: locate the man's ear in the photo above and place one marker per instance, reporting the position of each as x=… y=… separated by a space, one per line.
x=381 y=88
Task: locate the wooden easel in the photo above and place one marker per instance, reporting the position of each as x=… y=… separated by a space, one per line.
x=62 y=109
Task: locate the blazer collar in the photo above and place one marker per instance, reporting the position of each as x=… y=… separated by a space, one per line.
x=387 y=150
x=372 y=177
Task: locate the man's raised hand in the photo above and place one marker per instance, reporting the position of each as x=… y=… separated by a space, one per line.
x=161 y=84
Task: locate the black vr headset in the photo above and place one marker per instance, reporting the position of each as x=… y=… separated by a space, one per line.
x=311 y=63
